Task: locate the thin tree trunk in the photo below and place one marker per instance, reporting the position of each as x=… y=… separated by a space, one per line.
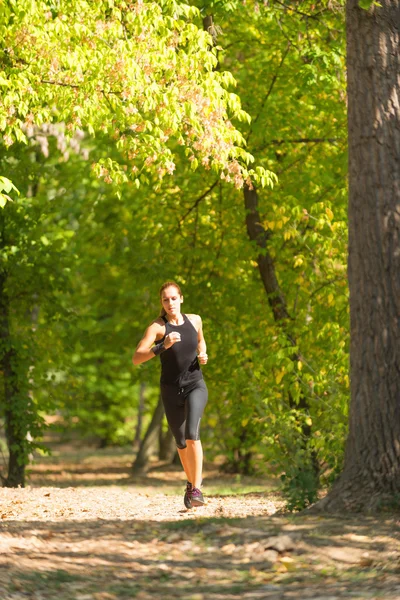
x=148 y=447
x=258 y=234
x=15 y=432
x=167 y=446
x=18 y=414
x=371 y=475
x=139 y=426
x=276 y=299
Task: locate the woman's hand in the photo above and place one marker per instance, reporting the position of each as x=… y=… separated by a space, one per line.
x=203 y=358
x=171 y=339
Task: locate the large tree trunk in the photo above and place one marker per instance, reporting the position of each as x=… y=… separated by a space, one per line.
x=150 y=441
x=371 y=475
x=14 y=419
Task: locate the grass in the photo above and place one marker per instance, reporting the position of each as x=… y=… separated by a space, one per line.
x=42 y=580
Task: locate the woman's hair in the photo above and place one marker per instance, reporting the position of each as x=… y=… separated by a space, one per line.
x=164 y=286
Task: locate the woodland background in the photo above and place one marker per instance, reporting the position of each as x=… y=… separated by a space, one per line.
x=86 y=244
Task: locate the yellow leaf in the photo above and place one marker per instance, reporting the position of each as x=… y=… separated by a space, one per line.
x=329 y=213
x=298 y=261
x=279 y=376
x=288 y=562
x=299 y=365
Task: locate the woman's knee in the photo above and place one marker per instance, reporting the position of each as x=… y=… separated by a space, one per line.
x=191 y=441
x=192 y=431
x=179 y=439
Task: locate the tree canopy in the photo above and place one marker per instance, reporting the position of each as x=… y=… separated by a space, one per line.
x=96 y=230
x=141 y=73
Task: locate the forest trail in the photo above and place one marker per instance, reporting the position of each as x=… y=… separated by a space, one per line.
x=85 y=529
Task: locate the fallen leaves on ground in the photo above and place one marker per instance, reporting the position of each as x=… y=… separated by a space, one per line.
x=116 y=542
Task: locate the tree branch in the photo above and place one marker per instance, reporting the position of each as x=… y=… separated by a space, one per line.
x=197 y=202
x=271 y=87
x=301 y=141
x=299 y=12
x=76 y=87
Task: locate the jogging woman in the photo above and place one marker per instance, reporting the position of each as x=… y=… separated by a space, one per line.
x=178 y=340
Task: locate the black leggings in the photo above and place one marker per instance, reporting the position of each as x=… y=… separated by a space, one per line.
x=184 y=408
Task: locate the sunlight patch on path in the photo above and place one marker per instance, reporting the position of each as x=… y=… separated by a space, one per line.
x=112 y=502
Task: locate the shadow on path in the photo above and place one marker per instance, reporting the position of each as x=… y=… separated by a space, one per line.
x=202 y=559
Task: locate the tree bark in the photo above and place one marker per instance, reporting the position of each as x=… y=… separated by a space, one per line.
x=258 y=234
x=150 y=441
x=138 y=433
x=371 y=475
x=167 y=447
x=15 y=431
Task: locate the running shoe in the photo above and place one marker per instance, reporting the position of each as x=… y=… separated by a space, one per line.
x=187 y=499
x=197 y=497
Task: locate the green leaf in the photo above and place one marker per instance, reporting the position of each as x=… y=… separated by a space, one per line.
x=365 y=4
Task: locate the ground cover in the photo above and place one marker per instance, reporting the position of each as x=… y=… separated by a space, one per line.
x=85 y=529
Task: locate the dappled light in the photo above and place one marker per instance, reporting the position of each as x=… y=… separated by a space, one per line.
x=120 y=538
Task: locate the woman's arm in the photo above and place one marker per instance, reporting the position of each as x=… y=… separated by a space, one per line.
x=201 y=343
x=143 y=351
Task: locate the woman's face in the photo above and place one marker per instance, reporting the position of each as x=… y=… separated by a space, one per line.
x=171 y=301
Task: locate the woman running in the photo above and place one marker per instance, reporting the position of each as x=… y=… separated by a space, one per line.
x=178 y=340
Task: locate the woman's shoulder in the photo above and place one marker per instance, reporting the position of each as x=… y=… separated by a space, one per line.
x=157 y=328
x=195 y=319
x=158 y=322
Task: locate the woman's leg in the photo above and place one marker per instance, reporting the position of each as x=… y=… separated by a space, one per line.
x=175 y=412
x=194 y=454
x=196 y=401
x=186 y=463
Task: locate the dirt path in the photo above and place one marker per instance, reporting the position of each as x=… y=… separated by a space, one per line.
x=85 y=530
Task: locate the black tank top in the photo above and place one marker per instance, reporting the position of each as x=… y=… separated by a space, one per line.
x=179 y=364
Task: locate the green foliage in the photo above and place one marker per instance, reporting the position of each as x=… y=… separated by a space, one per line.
x=300 y=485
x=367 y=4
x=142 y=74
x=87 y=254
x=290 y=76
x=5 y=186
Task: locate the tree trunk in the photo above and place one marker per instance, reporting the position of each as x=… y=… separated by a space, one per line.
x=258 y=234
x=371 y=475
x=150 y=441
x=138 y=433
x=167 y=446
x=15 y=431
